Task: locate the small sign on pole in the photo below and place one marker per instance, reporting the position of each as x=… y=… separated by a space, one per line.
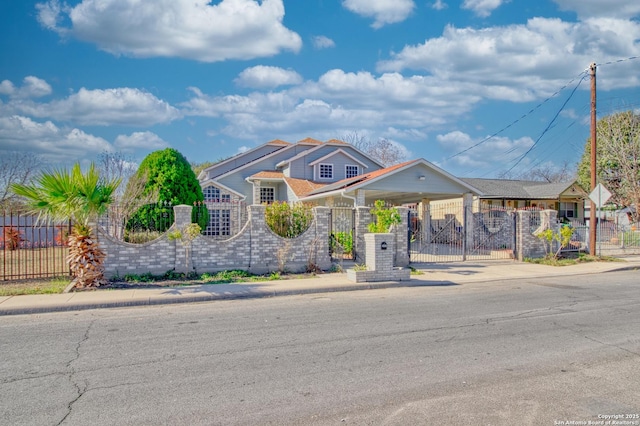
x=600 y=195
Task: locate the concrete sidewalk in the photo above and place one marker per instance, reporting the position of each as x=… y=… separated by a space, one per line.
x=441 y=274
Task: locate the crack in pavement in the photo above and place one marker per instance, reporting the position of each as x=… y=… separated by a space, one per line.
x=612 y=346
x=71 y=373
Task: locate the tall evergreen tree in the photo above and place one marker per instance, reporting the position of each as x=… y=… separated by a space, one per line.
x=169 y=174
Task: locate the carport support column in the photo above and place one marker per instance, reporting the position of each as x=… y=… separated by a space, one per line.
x=402 y=238
x=467 y=214
x=362 y=221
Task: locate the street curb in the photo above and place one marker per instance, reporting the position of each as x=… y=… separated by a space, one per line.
x=257 y=294
x=157 y=301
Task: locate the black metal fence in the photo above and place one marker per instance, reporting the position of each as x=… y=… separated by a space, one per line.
x=30 y=248
x=342 y=233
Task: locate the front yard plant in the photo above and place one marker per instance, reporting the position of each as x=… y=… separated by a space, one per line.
x=288 y=221
x=385 y=217
x=63 y=195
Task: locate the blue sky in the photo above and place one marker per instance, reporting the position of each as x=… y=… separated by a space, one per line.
x=214 y=78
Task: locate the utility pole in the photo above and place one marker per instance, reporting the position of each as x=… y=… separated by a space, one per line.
x=592 y=219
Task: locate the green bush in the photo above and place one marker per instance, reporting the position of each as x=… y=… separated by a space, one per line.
x=344 y=240
x=288 y=221
x=385 y=217
x=169 y=173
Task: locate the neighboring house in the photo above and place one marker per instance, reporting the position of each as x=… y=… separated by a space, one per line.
x=567 y=198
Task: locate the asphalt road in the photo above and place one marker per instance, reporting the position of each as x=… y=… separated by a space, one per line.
x=537 y=352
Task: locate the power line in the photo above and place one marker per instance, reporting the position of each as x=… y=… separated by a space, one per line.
x=581 y=76
x=550 y=123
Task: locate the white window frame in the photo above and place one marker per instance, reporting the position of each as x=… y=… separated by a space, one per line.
x=213 y=189
x=329 y=166
x=563 y=210
x=346 y=170
x=219 y=223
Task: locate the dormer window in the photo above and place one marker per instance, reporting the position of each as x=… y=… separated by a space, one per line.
x=326 y=171
x=351 y=171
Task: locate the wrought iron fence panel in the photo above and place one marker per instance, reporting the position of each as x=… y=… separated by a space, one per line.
x=342 y=233
x=32 y=249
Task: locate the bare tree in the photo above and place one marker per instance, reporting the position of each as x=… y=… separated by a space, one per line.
x=116 y=165
x=129 y=196
x=383 y=150
x=18 y=168
x=618 y=159
x=544 y=173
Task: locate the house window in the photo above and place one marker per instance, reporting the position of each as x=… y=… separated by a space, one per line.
x=326 y=171
x=568 y=210
x=350 y=171
x=213 y=194
x=219 y=223
x=267 y=195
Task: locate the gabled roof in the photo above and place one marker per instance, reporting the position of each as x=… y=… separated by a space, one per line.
x=351 y=184
x=336 y=152
x=301 y=187
x=278 y=142
x=266 y=174
x=520 y=189
x=332 y=142
x=212 y=182
x=275 y=142
x=309 y=141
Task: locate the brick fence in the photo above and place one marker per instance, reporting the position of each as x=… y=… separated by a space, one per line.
x=255 y=248
x=258 y=250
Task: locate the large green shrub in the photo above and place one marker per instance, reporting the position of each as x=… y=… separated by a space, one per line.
x=385 y=217
x=169 y=174
x=288 y=221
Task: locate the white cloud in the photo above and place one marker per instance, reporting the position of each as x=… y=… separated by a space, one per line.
x=7 y=88
x=382 y=11
x=483 y=155
x=267 y=77
x=323 y=42
x=523 y=62
x=439 y=5
x=338 y=102
x=18 y=133
x=32 y=87
x=49 y=14
x=623 y=9
x=482 y=8
x=120 y=106
x=145 y=140
x=190 y=29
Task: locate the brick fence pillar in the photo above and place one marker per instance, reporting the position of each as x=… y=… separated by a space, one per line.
x=362 y=221
x=402 y=238
x=322 y=257
x=183 y=263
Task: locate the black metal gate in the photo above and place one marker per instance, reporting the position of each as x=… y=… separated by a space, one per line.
x=450 y=232
x=342 y=233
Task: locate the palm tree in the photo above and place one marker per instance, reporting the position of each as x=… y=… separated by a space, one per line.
x=79 y=197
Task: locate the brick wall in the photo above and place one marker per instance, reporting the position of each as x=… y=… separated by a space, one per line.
x=527 y=244
x=256 y=249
